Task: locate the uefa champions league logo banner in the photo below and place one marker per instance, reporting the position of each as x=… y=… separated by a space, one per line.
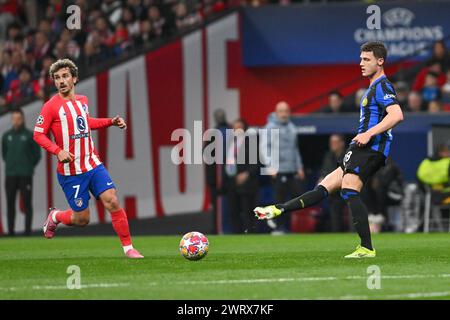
x=317 y=34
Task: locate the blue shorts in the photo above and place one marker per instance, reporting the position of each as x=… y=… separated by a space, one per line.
x=76 y=188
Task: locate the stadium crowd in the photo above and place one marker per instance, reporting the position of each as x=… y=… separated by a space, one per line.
x=427 y=90
x=33 y=35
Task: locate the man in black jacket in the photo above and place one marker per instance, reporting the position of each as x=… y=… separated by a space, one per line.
x=330 y=162
x=21 y=155
x=241 y=177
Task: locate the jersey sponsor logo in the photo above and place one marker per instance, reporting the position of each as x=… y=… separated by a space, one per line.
x=81 y=124
x=40 y=120
x=79 y=135
x=389 y=96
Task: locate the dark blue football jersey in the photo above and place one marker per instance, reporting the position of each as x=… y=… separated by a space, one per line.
x=376 y=99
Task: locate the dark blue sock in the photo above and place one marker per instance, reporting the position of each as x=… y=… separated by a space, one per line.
x=306 y=200
x=360 y=216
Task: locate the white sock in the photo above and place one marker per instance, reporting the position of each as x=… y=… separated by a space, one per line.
x=54 y=216
x=126 y=248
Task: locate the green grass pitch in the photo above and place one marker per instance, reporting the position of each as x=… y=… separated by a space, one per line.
x=297 y=266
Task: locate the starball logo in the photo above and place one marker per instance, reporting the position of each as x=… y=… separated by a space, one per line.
x=397 y=28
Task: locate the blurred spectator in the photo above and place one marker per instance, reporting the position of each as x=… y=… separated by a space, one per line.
x=24 y=87
x=335 y=103
x=415 y=102
x=135 y=6
x=5 y=68
x=99 y=42
x=102 y=32
x=385 y=189
x=130 y=21
x=113 y=10
x=287 y=177
x=434 y=106
x=44 y=79
x=41 y=46
x=211 y=6
x=435 y=67
x=13 y=31
x=402 y=90
x=45 y=26
x=21 y=155
x=8 y=13
x=431 y=90
x=60 y=50
x=241 y=179
x=337 y=205
x=71 y=47
x=440 y=54
x=434 y=172
x=121 y=40
x=445 y=90
x=183 y=18
x=146 y=33
x=214 y=178
x=159 y=23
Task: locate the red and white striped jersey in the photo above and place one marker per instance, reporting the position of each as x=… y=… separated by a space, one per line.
x=71 y=126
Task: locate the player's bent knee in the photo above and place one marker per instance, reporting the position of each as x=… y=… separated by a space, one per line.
x=352 y=181
x=112 y=203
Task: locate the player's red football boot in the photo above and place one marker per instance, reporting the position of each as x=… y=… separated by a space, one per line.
x=134 y=254
x=49 y=225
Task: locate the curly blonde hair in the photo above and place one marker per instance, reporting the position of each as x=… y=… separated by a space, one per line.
x=64 y=63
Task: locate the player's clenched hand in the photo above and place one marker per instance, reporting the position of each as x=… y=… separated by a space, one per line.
x=65 y=156
x=362 y=139
x=119 y=122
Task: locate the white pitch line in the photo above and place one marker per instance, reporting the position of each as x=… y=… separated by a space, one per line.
x=243 y=281
x=45 y=287
x=413 y=295
x=269 y=280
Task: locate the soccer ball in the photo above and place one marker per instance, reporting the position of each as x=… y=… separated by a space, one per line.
x=194 y=245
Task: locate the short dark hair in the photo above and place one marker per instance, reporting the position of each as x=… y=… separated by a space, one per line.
x=63 y=63
x=337 y=93
x=18 y=110
x=26 y=68
x=377 y=47
x=433 y=74
x=244 y=123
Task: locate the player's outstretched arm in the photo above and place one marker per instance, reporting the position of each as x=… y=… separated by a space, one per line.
x=100 y=123
x=393 y=117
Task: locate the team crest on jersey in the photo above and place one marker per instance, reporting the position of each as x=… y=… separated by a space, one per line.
x=79 y=202
x=40 y=120
x=81 y=124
